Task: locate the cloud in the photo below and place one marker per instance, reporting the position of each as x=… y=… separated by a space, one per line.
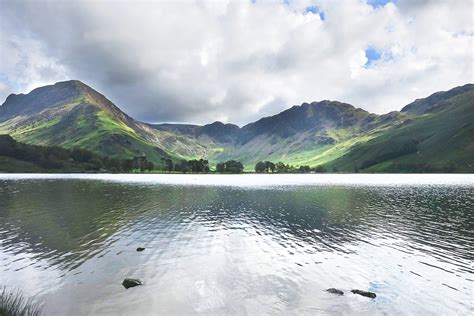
x=200 y=61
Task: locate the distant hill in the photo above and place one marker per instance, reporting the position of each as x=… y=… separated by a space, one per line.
x=433 y=134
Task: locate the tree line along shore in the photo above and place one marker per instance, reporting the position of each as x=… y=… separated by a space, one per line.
x=20 y=157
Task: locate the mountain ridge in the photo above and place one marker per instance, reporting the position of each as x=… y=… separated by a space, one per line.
x=65 y=113
x=72 y=114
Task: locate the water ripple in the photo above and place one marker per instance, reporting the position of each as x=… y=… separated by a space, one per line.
x=238 y=249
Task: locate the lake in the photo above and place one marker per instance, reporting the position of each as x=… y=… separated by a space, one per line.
x=239 y=244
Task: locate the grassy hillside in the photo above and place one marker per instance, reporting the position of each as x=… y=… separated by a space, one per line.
x=310 y=134
x=81 y=118
x=429 y=135
x=440 y=139
x=323 y=140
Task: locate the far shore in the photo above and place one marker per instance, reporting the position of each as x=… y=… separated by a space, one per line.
x=253 y=180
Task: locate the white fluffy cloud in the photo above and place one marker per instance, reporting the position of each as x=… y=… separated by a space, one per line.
x=200 y=61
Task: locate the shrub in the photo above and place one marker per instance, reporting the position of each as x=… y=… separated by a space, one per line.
x=13 y=303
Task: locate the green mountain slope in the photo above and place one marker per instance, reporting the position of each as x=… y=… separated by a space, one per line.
x=438 y=137
x=71 y=114
x=421 y=106
x=195 y=141
x=431 y=134
x=310 y=134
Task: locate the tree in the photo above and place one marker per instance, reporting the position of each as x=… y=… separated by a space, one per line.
x=200 y=165
x=194 y=165
x=81 y=155
x=169 y=164
x=319 y=169
x=96 y=163
x=182 y=166
x=220 y=167
x=163 y=164
x=269 y=166
x=230 y=166
x=51 y=162
x=149 y=166
x=280 y=167
x=233 y=166
x=205 y=165
x=127 y=165
x=139 y=162
x=304 y=169
x=260 y=167
x=80 y=159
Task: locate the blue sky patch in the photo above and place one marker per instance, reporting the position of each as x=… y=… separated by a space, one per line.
x=380 y=3
x=315 y=10
x=372 y=55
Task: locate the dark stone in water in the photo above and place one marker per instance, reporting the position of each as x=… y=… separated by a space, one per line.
x=140 y=249
x=335 y=291
x=131 y=283
x=364 y=293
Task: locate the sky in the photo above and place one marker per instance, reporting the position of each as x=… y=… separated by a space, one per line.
x=236 y=61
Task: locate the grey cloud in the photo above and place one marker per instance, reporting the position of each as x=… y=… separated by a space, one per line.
x=202 y=61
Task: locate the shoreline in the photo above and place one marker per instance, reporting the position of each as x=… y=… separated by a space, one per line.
x=259 y=180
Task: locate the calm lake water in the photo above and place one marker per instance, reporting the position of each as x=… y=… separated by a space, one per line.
x=239 y=244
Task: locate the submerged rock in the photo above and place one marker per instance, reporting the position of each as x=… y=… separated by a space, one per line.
x=140 y=249
x=335 y=291
x=364 y=293
x=131 y=283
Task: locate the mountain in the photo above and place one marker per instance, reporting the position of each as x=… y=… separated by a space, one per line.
x=316 y=117
x=217 y=132
x=72 y=114
x=422 y=106
x=437 y=136
x=300 y=135
x=430 y=134
x=308 y=134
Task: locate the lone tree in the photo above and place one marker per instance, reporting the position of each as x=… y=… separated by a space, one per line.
x=233 y=166
x=260 y=167
x=230 y=166
x=269 y=166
